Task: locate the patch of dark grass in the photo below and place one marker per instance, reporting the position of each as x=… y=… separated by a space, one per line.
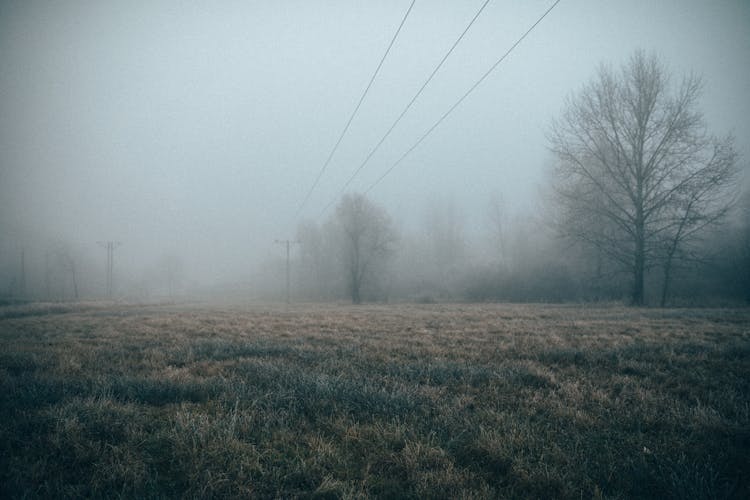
x=18 y=362
x=32 y=391
x=317 y=395
x=471 y=452
x=438 y=373
x=736 y=351
x=156 y=392
x=564 y=357
x=218 y=350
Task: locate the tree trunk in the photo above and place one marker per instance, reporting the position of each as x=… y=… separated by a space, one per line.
x=639 y=266
x=667 y=280
x=354 y=286
x=355 y=273
x=668 y=269
x=638 y=285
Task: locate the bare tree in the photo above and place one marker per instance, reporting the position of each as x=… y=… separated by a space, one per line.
x=443 y=225
x=637 y=174
x=367 y=240
x=318 y=268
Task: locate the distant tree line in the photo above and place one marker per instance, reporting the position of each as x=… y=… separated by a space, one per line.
x=523 y=259
x=645 y=207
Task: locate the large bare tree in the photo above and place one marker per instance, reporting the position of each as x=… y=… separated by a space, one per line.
x=367 y=239
x=637 y=174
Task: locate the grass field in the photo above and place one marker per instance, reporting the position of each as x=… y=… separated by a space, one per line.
x=399 y=401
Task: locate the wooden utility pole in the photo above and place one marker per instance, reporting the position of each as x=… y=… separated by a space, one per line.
x=110 y=246
x=287 y=243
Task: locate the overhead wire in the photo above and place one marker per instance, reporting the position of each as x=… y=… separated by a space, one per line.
x=351 y=117
x=406 y=108
x=461 y=99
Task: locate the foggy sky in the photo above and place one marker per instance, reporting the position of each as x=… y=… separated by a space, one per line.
x=198 y=127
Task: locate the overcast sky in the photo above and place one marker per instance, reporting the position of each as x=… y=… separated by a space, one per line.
x=198 y=127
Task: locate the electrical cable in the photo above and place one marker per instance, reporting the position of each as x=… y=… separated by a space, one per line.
x=461 y=99
x=349 y=122
x=408 y=106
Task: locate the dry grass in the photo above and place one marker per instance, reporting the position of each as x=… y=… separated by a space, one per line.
x=433 y=401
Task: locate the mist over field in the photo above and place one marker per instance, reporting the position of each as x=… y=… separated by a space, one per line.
x=375 y=249
x=193 y=135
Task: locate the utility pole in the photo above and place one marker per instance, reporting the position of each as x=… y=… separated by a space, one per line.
x=23 y=273
x=286 y=243
x=110 y=246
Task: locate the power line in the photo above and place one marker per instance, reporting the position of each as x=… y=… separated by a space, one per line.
x=461 y=99
x=349 y=122
x=408 y=106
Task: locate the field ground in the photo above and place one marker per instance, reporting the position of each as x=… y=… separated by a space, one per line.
x=407 y=401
